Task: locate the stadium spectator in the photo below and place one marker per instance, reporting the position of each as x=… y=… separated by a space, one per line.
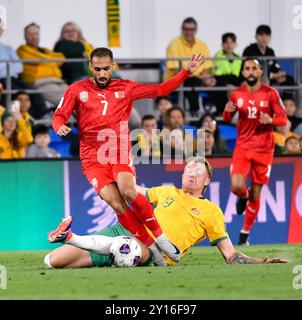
x=282 y=133
x=16 y=136
x=209 y=142
x=228 y=71
x=290 y=109
x=261 y=49
x=149 y=140
x=163 y=104
x=25 y=106
x=72 y=44
x=46 y=76
x=40 y=149
x=39 y=108
x=292 y=145
x=2 y=109
x=208 y=122
x=174 y=137
x=185 y=46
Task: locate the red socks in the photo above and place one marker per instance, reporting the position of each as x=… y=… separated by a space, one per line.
x=144 y=213
x=130 y=222
x=251 y=211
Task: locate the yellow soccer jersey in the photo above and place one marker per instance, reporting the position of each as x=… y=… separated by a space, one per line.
x=187 y=220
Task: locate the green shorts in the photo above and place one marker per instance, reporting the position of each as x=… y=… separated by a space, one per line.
x=102 y=260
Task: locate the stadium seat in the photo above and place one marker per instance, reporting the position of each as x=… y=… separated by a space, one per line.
x=53 y=136
x=62 y=147
x=231 y=144
x=227 y=131
x=287 y=65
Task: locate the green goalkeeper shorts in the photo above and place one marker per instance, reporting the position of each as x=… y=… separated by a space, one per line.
x=102 y=260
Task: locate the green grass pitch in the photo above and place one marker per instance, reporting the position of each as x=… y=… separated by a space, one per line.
x=202 y=274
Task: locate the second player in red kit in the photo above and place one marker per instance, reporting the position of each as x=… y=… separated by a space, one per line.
x=260 y=108
x=102 y=107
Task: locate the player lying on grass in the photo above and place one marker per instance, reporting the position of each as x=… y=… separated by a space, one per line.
x=184 y=214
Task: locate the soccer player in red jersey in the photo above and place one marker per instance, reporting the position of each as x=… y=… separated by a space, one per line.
x=260 y=108
x=102 y=107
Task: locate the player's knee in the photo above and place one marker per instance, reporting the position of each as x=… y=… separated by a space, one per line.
x=237 y=188
x=128 y=194
x=47 y=262
x=51 y=261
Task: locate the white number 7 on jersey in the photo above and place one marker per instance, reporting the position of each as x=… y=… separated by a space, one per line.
x=105 y=106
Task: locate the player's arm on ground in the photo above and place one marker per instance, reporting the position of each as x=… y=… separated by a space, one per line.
x=279 y=119
x=229 y=109
x=64 y=111
x=231 y=256
x=142 y=91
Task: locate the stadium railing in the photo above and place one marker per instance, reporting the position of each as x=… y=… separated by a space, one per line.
x=291 y=65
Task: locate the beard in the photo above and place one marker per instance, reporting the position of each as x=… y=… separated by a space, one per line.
x=101 y=85
x=251 y=81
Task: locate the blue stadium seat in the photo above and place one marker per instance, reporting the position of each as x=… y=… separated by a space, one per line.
x=62 y=147
x=227 y=131
x=288 y=66
x=231 y=144
x=53 y=136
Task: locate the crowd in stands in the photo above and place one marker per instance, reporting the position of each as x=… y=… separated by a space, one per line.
x=19 y=138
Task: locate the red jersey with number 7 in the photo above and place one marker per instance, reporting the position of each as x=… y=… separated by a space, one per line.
x=103 y=113
x=252 y=135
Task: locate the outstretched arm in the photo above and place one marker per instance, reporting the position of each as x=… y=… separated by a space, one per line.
x=231 y=256
x=141 y=91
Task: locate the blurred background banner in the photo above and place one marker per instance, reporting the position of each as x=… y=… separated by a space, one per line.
x=31 y=203
x=113 y=23
x=34 y=198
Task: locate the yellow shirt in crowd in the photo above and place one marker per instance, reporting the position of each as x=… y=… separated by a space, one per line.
x=186 y=220
x=2 y=110
x=181 y=48
x=280 y=138
x=24 y=137
x=36 y=70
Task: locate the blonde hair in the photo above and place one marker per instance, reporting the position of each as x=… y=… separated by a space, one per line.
x=76 y=26
x=198 y=159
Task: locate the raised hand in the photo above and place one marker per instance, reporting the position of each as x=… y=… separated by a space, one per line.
x=195 y=63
